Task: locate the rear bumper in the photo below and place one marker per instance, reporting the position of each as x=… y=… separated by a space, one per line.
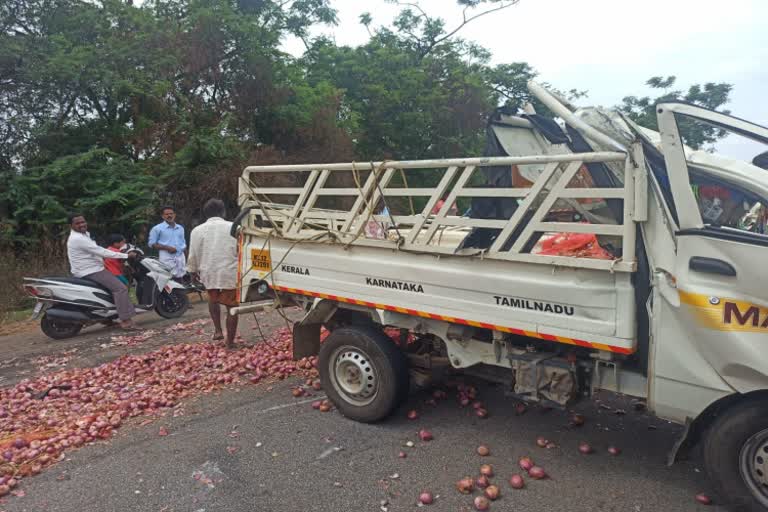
x=251 y=307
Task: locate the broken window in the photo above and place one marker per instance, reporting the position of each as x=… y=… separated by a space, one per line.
x=722 y=204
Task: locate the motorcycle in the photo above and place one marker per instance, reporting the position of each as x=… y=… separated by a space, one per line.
x=67 y=304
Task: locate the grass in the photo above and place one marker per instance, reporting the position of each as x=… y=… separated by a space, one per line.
x=9 y=317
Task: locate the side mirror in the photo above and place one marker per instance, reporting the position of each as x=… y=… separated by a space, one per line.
x=233 y=232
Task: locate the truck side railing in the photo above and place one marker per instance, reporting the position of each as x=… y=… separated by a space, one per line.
x=294 y=211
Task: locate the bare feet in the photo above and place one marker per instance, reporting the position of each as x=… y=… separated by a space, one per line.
x=217 y=336
x=129 y=325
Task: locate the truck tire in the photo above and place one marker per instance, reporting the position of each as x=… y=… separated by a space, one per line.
x=59 y=329
x=736 y=456
x=363 y=372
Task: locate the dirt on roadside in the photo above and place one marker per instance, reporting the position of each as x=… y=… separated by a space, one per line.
x=22 y=326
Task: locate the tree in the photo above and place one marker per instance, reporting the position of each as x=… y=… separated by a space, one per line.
x=398 y=104
x=425 y=33
x=182 y=89
x=111 y=188
x=113 y=105
x=415 y=90
x=710 y=95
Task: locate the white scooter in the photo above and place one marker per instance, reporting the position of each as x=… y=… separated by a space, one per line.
x=67 y=304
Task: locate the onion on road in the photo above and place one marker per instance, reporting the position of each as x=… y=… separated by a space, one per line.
x=426 y=498
x=492 y=492
x=465 y=486
x=482 y=503
x=516 y=482
x=482 y=482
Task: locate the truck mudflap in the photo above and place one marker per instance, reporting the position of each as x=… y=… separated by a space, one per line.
x=306 y=340
x=682 y=444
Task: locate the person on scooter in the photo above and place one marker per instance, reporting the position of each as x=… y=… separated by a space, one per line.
x=213 y=255
x=116 y=266
x=86 y=260
x=168 y=239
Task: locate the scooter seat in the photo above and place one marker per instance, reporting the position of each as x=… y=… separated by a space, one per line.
x=80 y=281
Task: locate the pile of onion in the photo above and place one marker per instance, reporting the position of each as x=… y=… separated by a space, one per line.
x=44 y=417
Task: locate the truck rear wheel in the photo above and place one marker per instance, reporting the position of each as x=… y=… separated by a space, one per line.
x=736 y=456
x=363 y=372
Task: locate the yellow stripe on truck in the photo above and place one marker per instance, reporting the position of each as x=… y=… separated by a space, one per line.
x=726 y=314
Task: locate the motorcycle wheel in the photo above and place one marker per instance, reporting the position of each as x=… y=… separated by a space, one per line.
x=58 y=329
x=172 y=305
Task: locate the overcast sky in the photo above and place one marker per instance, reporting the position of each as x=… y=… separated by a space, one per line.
x=610 y=47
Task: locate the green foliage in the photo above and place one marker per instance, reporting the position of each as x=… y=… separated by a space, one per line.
x=110 y=107
x=710 y=95
x=110 y=187
x=401 y=104
x=113 y=106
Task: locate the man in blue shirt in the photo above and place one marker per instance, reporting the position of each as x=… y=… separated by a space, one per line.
x=168 y=238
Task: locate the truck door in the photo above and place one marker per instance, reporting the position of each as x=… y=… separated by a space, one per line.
x=714 y=330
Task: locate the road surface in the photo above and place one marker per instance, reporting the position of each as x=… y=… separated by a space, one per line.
x=256 y=448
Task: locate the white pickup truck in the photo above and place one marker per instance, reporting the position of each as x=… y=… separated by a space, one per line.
x=584 y=254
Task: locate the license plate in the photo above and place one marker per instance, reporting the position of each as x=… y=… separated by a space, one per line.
x=37 y=310
x=260 y=260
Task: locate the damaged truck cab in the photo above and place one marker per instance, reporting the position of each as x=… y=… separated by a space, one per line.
x=581 y=253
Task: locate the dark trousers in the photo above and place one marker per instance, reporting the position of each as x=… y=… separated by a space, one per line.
x=125 y=310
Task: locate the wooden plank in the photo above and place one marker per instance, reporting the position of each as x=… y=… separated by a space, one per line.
x=593 y=193
x=446 y=180
x=576 y=227
x=473 y=223
x=599 y=156
x=309 y=186
x=493 y=192
x=437 y=219
x=546 y=205
x=406 y=192
x=355 y=211
x=513 y=221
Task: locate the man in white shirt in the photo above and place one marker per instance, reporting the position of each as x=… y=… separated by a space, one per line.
x=213 y=256
x=86 y=260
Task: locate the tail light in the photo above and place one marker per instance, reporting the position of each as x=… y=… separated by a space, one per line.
x=40 y=292
x=259 y=290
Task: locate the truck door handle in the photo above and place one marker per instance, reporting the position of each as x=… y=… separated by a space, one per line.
x=711 y=266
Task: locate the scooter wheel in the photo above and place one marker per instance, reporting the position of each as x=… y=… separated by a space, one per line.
x=172 y=305
x=58 y=329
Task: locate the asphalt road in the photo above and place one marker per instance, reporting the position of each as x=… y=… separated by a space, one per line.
x=256 y=448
